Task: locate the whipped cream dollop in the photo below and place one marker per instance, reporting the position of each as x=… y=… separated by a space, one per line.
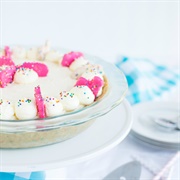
x=6 y=110
x=78 y=72
x=94 y=69
x=77 y=63
x=18 y=52
x=25 y=76
x=53 y=56
x=43 y=50
x=84 y=94
x=25 y=109
x=53 y=106
x=32 y=53
x=69 y=100
x=89 y=75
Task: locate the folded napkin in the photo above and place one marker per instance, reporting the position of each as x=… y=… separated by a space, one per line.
x=146 y=80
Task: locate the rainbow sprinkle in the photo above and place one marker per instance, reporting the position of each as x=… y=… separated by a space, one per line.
x=21 y=101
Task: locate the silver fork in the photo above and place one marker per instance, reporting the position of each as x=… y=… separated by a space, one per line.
x=173 y=123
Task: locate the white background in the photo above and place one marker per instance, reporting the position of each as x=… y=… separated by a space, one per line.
x=102 y=28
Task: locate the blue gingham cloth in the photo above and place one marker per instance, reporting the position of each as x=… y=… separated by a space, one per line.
x=40 y=175
x=146 y=80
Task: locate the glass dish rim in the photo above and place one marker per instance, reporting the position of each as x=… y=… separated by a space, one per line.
x=67 y=114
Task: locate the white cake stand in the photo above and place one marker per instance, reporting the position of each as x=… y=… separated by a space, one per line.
x=108 y=131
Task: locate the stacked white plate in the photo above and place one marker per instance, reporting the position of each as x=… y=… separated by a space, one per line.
x=145 y=129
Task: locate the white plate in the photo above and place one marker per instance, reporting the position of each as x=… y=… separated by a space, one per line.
x=147 y=130
x=104 y=134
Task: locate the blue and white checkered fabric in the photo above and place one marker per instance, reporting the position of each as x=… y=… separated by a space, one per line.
x=22 y=176
x=146 y=80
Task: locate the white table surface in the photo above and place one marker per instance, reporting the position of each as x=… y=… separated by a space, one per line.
x=106 y=29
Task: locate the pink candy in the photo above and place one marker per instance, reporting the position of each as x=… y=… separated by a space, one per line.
x=95 y=84
x=6 y=59
x=8 y=68
x=7 y=51
x=39 y=102
x=40 y=68
x=70 y=57
x=7 y=75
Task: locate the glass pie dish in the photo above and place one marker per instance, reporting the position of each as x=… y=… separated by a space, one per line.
x=40 y=132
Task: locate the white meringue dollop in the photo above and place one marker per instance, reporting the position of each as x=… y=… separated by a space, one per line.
x=84 y=94
x=6 y=110
x=25 y=76
x=69 y=100
x=25 y=109
x=53 y=107
x=79 y=62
